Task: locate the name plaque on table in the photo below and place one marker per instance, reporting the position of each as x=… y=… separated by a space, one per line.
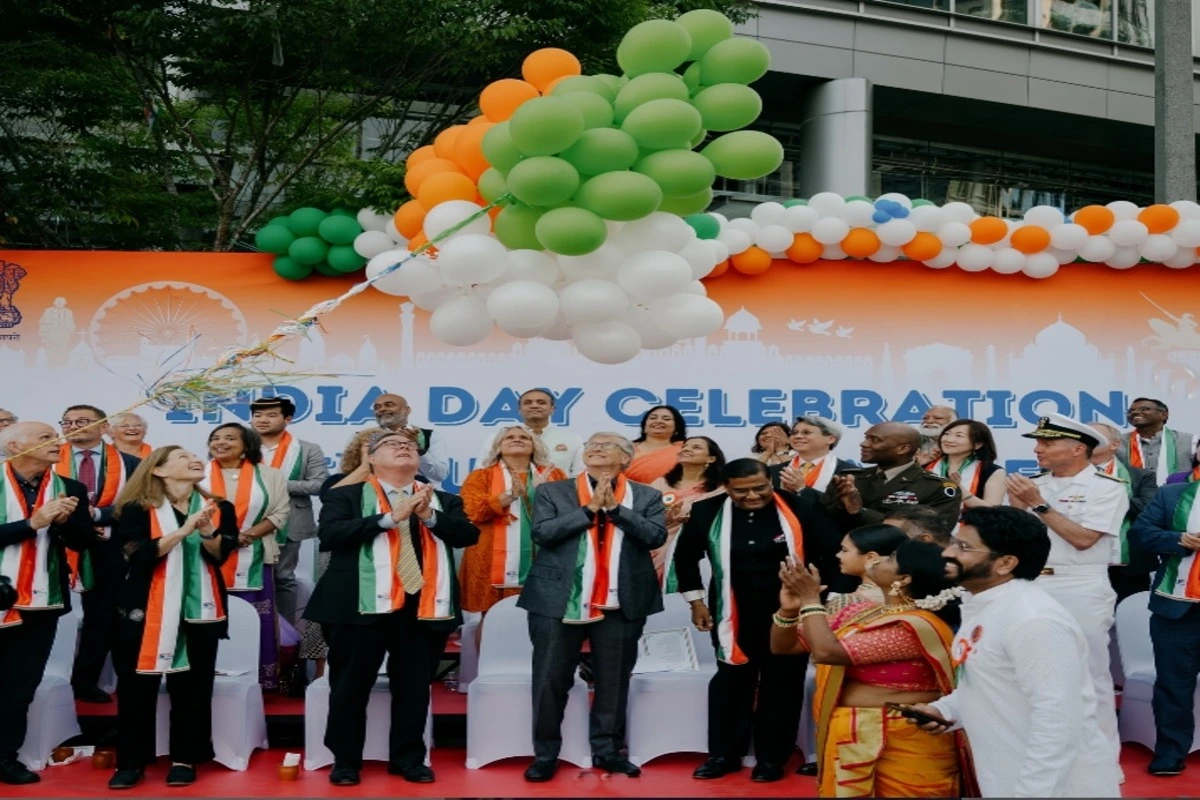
x=670 y=650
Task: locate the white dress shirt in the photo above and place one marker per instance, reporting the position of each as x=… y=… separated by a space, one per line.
x=1095 y=501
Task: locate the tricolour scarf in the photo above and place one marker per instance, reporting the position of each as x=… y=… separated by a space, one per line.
x=598 y=563
x=30 y=564
x=1181 y=578
x=380 y=590
x=112 y=476
x=821 y=474
x=1119 y=470
x=244 y=570
x=512 y=542
x=720 y=540
x=968 y=474
x=1166 y=454
x=184 y=587
x=286 y=459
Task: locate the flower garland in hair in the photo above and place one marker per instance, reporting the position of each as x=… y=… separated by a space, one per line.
x=940 y=600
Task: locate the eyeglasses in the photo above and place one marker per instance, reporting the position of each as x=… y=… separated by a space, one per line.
x=602 y=446
x=963 y=547
x=398 y=446
x=77 y=423
x=8 y=420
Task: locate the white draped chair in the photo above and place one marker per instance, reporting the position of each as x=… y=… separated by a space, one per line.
x=51 y=716
x=379 y=723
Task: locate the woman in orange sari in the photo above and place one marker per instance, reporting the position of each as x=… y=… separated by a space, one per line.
x=869 y=656
x=657 y=447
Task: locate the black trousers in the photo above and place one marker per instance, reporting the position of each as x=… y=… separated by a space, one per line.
x=763 y=697
x=97 y=634
x=356 y=652
x=24 y=651
x=1126 y=582
x=191 y=701
x=1176 y=664
x=556 y=649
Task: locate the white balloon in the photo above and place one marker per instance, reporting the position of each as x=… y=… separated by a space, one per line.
x=1008 y=261
x=370 y=221
x=885 y=254
x=1123 y=210
x=927 y=218
x=525 y=331
x=719 y=249
x=606 y=342
x=735 y=241
x=954 y=234
x=592 y=300
x=658 y=231
x=1157 y=247
x=414 y=276
x=1187 y=210
x=1063 y=256
x=369 y=244
x=857 y=213
x=653 y=337
x=697 y=288
x=832 y=252
x=461 y=322
x=946 y=258
x=975 y=257
x=531 y=265
x=1068 y=236
x=744 y=224
x=602 y=262
x=700 y=257
x=799 y=219
x=830 y=230
x=826 y=204
x=896 y=197
x=896 y=232
x=720 y=218
x=432 y=299
x=1124 y=258
x=1184 y=257
x=768 y=214
x=471 y=258
x=559 y=330
x=1097 y=249
x=1186 y=233
x=654 y=273
x=958 y=212
x=774 y=238
x=523 y=304
x=389 y=228
x=445 y=216
x=687 y=316
x=1044 y=216
x=1040 y=265
x=1128 y=233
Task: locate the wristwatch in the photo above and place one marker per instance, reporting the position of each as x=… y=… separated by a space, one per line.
x=1041 y=509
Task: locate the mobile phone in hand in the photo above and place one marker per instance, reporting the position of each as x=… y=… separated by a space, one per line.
x=910 y=713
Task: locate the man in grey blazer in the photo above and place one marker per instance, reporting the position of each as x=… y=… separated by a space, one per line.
x=1153 y=446
x=303 y=464
x=586 y=529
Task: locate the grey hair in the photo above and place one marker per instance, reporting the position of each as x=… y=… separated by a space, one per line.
x=541 y=456
x=825 y=425
x=1111 y=433
x=623 y=441
x=116 y=419
x=16 y=432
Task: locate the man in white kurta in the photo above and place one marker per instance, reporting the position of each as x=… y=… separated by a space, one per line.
x=536 y=406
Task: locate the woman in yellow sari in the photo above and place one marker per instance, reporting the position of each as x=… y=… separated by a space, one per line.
x=867 y=656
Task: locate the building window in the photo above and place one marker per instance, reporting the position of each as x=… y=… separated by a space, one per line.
x=1083 y=17
x=1135 y=22
x=1001 y=10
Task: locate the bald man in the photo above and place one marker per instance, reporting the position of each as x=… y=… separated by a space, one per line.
x=391 y=412
x=866 y=496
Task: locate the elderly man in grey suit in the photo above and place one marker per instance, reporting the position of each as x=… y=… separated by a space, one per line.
x=592 y=580
x=303 y=464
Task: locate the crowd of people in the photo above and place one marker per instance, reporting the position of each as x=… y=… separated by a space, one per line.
x=957 y=617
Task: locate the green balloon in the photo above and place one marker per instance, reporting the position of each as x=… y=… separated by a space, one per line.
x=706 y=226
x=620 y=196
x=727 y=106
x=602 y=150
x=545 y=126
x=744 y=155
x=343 y=258
x=644 y=88
x=274 y=239
x=736 y=60
x=698 y=138
x=515 y=227
x=309 y=250
x=498 y=148
x=597 y=112
x=660 y=124
x=284 y=220
x=543 y=181
x=687 y=204
x=677 y=172
x=611 y=81
x=922 y=202
x=584 y=83
x=324 y=269
x=292 y=270
x=790 y=203
x=343 y=212
x=305 y=221
x=492 y=185
x=691 y=77
x=571 y=231
x=656 y=45
x=706 y=27
x=338 y=229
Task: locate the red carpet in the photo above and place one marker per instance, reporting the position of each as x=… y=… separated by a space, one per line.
x=669 y=776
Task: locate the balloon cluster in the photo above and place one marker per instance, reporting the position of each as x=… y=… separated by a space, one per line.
x=310 y=239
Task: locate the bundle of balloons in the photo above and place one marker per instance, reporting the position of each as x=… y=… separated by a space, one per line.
x=828 y=226
x=584 y=179
x=309 y=240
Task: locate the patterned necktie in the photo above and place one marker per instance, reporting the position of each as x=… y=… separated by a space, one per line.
x=408 y=568
x=87 y=472
x=806 y=468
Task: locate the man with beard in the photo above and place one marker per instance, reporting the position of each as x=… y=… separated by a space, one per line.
x=391 y=412
x=932 y=424
x=564 y=448
x=1025 y=697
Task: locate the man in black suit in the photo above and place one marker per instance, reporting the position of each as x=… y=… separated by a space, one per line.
x=615 y=523
x=1132 y=566
x=753 y=692
x=382 y=595
x=102 y=469
x=813 y=465
x=44 y=513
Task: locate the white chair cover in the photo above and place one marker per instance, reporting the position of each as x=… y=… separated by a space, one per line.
x=379 y=723
x=806 y=737
x=51 y=715
x=500 y=698
x=239 y=720
x=468 y=652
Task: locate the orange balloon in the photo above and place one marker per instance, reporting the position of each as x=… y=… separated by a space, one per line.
x=417 y=242
x=718 y=270
x=1158 y=218
x=545 y=65
x=444 y=186
x=443 y=143
x=409 y=219
x=418 y=173
x=1097 y=219
x=860 y=243
x=923 y=247
x=752 y=261
x=494 y=212
x=500 y=99
x=988 y=230
x=1030 y=239
x=805 y=249
x=420 y=154
x=468 y=149
x=480 y=120
x=550 y=86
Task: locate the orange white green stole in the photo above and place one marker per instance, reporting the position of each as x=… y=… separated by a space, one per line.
x=244 y=570
x=30 y=564
x=598 y=563
x=821 y=474
x=512 y=540
x=286 y=459
x=1181 y=578
x=1117 y=469
x=1166 y=454
x=112 y=476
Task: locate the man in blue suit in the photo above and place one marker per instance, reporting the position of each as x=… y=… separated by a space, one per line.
x=1170 y=528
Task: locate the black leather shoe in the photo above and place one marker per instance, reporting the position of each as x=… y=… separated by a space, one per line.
x=618 y=764
x=126 y=778
x=541 y=770
x=808 y=768
x=342 y=775
x=181 y=775
x=91 y=694
x=418 y=773
x=767 y=772
x=1165 y=767
x=717 y=768
x=15 y=773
